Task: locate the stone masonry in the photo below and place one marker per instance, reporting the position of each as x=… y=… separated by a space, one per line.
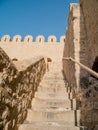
x=82 y=45
x=32 y=48
x=66 y=98
x=17 y=86
x=54 y=105
x=75 y=47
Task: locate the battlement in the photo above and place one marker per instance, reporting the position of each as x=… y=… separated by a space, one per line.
x=30 y=39
x=28 y=47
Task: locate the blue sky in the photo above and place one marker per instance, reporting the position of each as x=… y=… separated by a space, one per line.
x=34 y=17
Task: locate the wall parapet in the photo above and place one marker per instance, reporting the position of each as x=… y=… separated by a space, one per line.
x=30 y=39
x=17 y=88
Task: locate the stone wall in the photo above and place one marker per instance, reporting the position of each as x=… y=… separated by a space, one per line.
x=89 y=110
x=82 y=45
x=89 y=10
x=73 y=47
x=28 y=48
x=17 y=86
x=69 y=50
x=89 y=107
x=80 y=42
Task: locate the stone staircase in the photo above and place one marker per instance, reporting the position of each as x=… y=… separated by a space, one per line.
x=53 y=107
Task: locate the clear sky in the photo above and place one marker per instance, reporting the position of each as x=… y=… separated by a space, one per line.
x=34 y=17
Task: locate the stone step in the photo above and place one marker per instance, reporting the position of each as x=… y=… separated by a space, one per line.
x=52 y=95
x=53 y=88
x=40 y=103
x=50 y=100
x=67 y=116
x=50 y=89
x=53 y=78
x=47 y=126
x=53 y=82
x=54 y=73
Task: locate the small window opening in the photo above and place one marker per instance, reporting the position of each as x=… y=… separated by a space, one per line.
x=39 y=39
x=52 y=40
x=28 y=40
x=95 y=65
x=5 y=39
x=16 y=39
x=14 y=59
x=64 y=40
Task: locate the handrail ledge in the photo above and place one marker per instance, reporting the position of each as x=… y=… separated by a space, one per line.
x=95 y=74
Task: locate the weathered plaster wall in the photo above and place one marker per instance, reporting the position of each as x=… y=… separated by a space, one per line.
x=17 y=86
x=27 y=48
x=82 y=45
x=90 y=13
x=89 y=107
x=89 y=110
x=69 y=68
x=76 y=47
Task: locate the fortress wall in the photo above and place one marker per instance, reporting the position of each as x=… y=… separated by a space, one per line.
x=82 y=45
x=72 y=46
x=68 y=67
x=89 y=9
x=18 y=83
x=76 y=47
x=29 y=48
x=89 y=111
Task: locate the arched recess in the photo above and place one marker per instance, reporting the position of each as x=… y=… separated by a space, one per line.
x=6 y=38
x=62 y=39
x=17 y=38
x=52 y=39
x=28 y=38
x=95 y=65
x=40 y=39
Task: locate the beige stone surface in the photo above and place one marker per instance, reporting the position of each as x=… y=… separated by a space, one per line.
x=17 y=88
x=57 y=104
x=90 y=13
x=28 y=48
x=72 y=46
x=52 y=108
x=82 y=45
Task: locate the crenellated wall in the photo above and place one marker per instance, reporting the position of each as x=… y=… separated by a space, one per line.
x=18 y=83
x=29 y=38
x=28 y=48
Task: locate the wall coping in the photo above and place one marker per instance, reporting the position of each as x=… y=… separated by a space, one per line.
x=29 y=39
x=25 y=64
